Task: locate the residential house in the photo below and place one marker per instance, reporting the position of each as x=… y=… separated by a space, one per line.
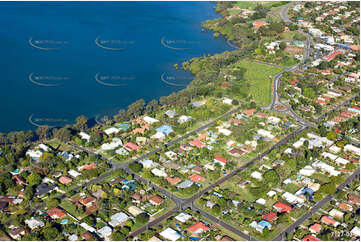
x=131 y=147
x=156 y=200
x=261 y=225
x=256 y=175
x=345 y=207
x=196 y=178
x=170 y=234
x=56 y=213
x=84 y=135
x=135 y=211
x=165 y=129
x=111 y=130
x=270 y=217
x=329 y=221
x=198 y=228
x=118 y=219
x=16 y=233
x=220 y=160
x=158 y=172
x=281 y=207
x=355 y=200
x=150 y=120
x=185 y=184
x=173 y=180
x=315 y=228
x=183 y=217
x=335 y=213
x=34 y=223
x=310 y=238
x=105 y=232
x=183 y=119
x=65 y=180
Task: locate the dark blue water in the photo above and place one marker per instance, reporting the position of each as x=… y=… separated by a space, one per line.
x=61 y=60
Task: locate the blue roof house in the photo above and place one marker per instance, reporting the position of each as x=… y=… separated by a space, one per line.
x=165 y=129
x=261 y=225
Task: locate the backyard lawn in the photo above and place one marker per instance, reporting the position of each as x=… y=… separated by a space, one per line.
x=258 y=75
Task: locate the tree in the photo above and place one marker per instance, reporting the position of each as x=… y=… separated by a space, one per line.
x=81 y=123
x=43 y=131
x=309 y=92
x=33 y=179
x=328 y=188
x=96 y=139
x=235 y=102
x=121 y=116
x=118 y=236
x=331 y=135
x=271 y=177
x=136 y=109
x=142 y=218
x=135 y=167
x=50 y=233
x=283 y=45
x=63 y=134
x=216 y=209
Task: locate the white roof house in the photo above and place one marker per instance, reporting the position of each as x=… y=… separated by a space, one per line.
x=34 y=154
x=336 y=213
x=289 y=197
x=34 y=223
x=288 y=151
x=150 y=120
x=261 y=201
x=329 y=156
x=271 y=193
x=43 y=147
x=135 y=211
x=334 y=149
x=352 y=148
x=183 y=217
x=148 y=164
x=184 y=118
x=224 y=131
x=158 y=172
x=171 y=155
x=341 y=161
x=170 y=234
x=265 y=133
x=256 y=175
x=171 y=113
x=318 y=141
x=307 y=171
x=105 y=232
x=87 y=227
x=84 y=135
x=227 y=101
x=158 y=135
x=122 y=151
x=273 y=120
x=326 y=168
x=112 y=145
x=74 y=173
x=356 y=231
x=118 y=219
x=111 y=130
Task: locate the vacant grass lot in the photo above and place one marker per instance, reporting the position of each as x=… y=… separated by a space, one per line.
x=260 y=76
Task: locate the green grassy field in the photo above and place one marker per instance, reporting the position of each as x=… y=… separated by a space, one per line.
x=258 y=75
x=249 y=4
